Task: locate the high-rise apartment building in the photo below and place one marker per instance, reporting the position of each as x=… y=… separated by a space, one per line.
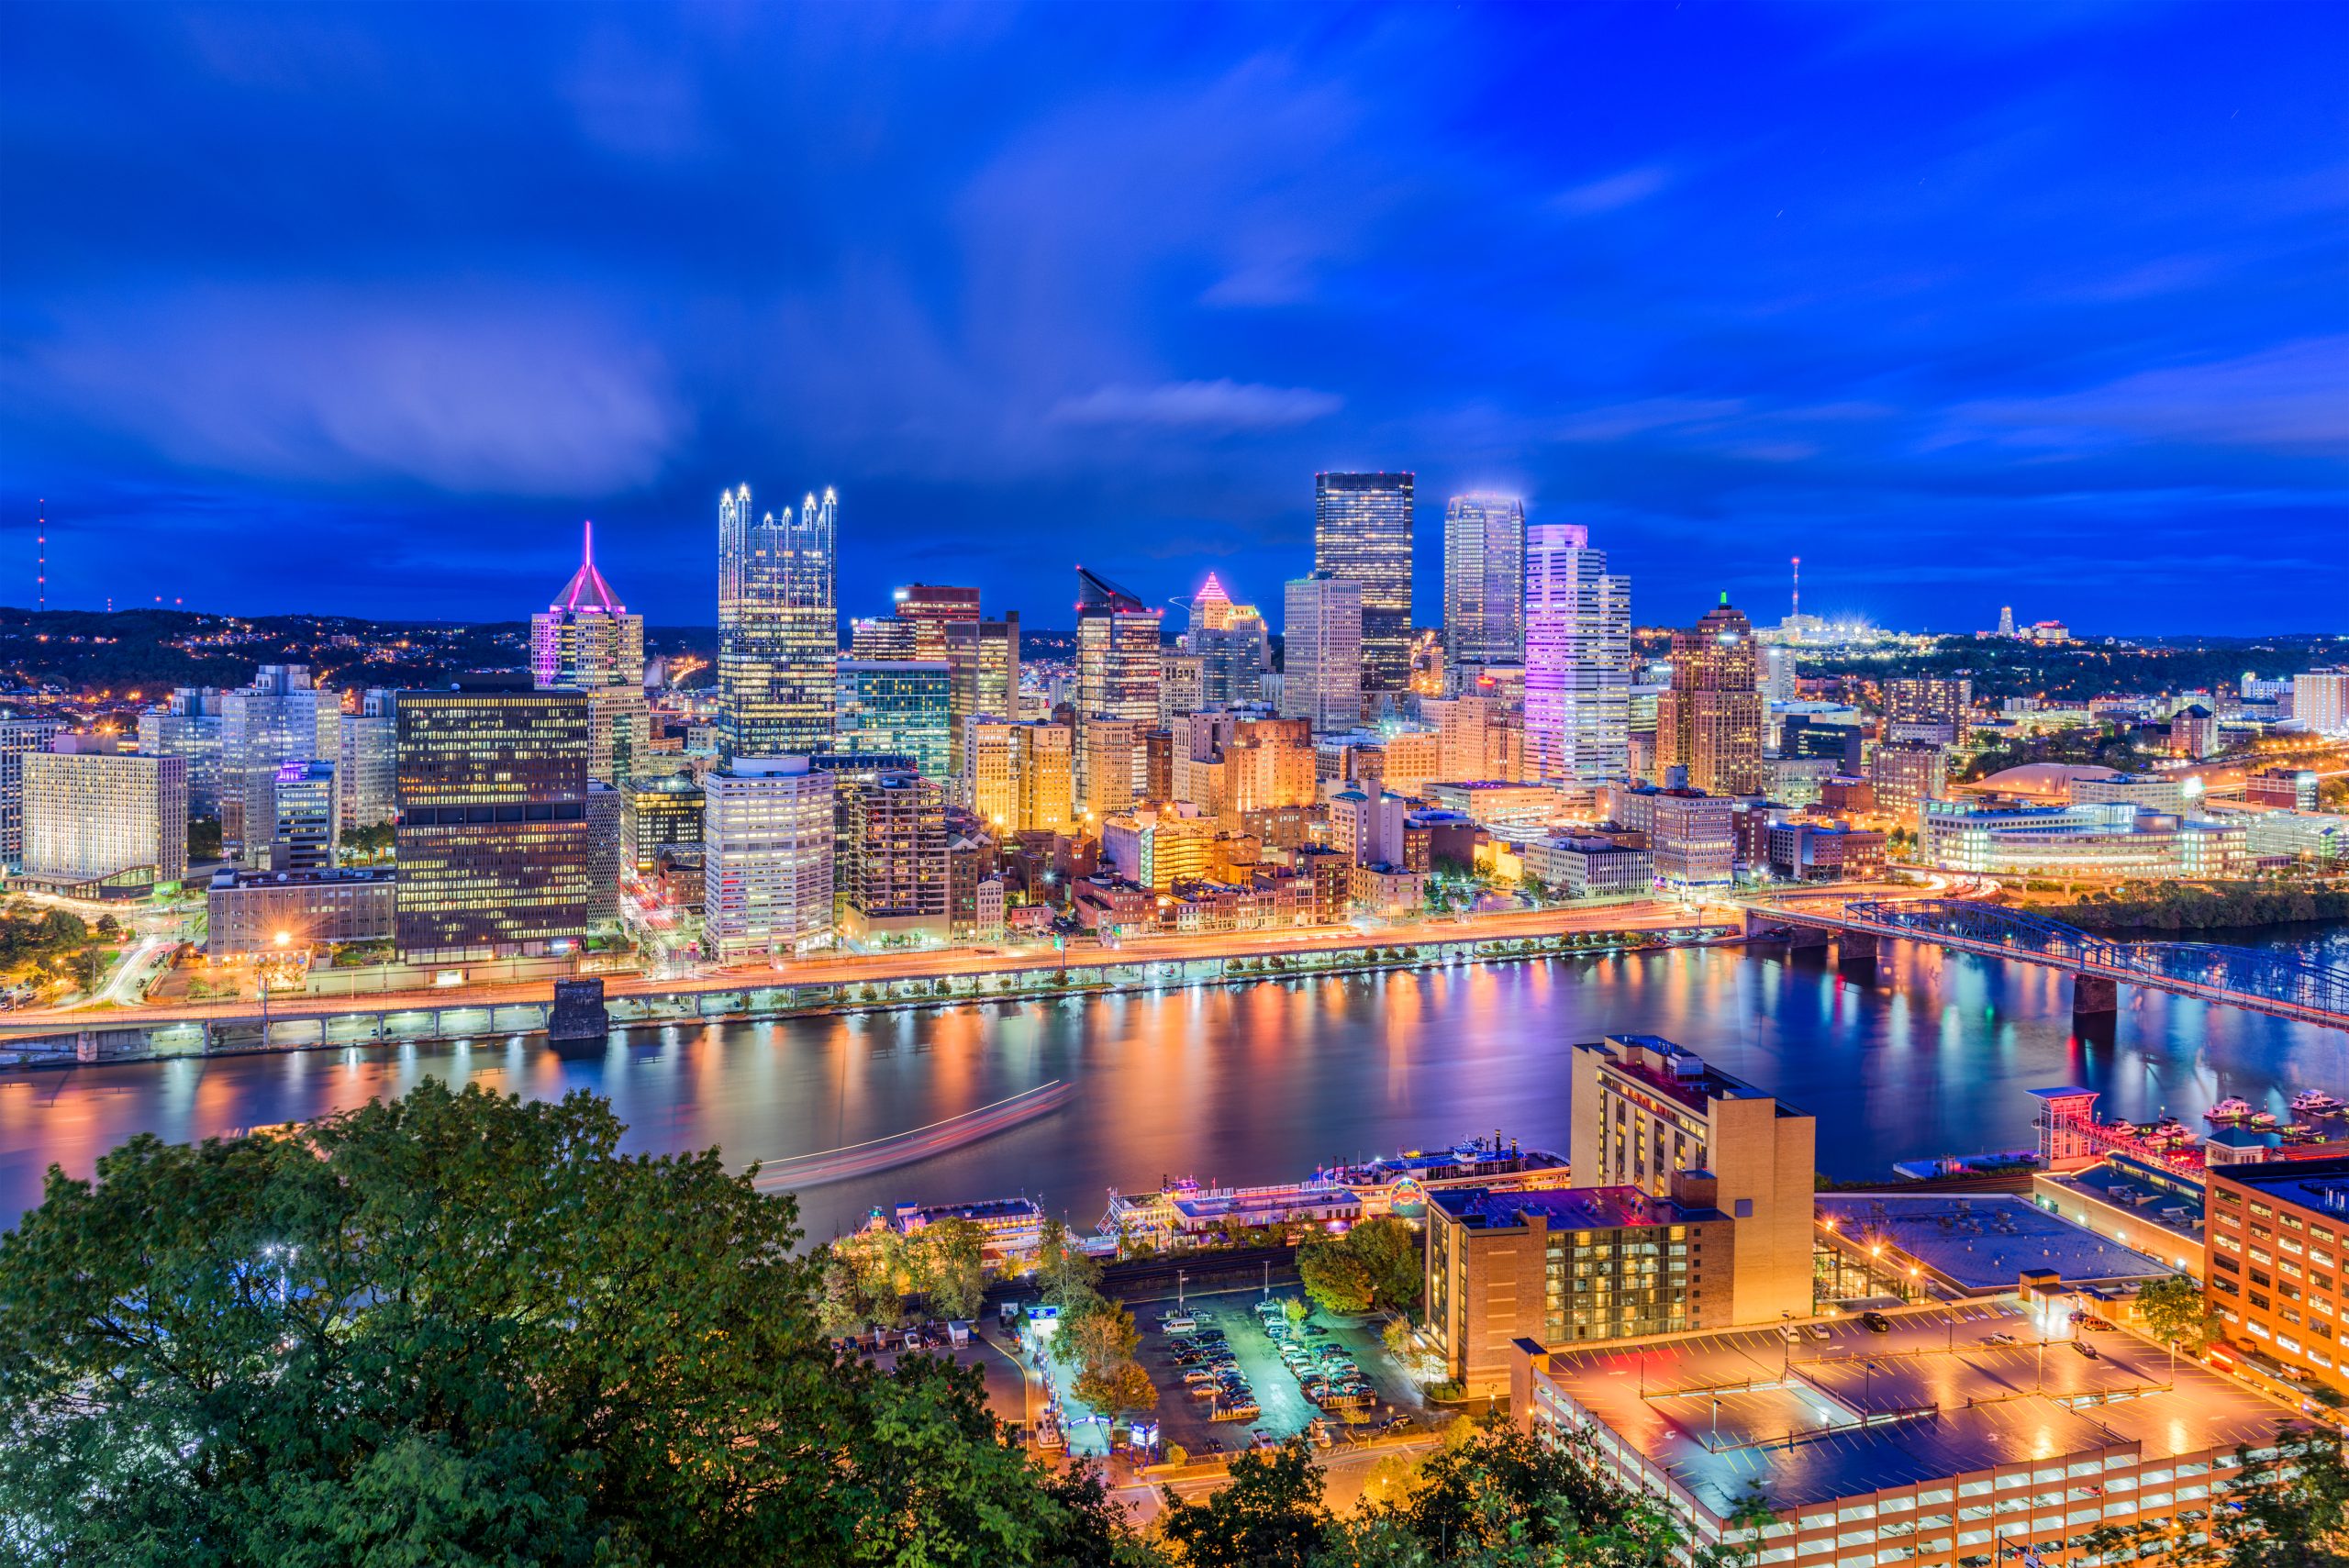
x=586 y=640
x=20 y=737
x=1182 y=686
x=2320 y=701
x=1905 y=774
x=188 y=725
x=778 y=629
x=1578 y=660
x=263 y=727
x=309 y=817
x=1709 y=721
x=97 y=821
x=766 y=826
x=1927 y=707
x=1323 y=655
x=366 y=763
x=896 y=880
x=1362 y=534
x=1484 y=580
x=1114 y=771
x=897 y=705
x=493 y=841
x=1047 y=762
x=1118 y=668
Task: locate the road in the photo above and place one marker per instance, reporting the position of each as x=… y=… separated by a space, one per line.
x=833 y=970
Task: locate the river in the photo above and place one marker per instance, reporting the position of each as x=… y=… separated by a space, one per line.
x=1259 y=1082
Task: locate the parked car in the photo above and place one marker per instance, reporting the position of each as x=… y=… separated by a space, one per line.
x=1877 y=1322
x=1264 y=1440
x=1817 y=1331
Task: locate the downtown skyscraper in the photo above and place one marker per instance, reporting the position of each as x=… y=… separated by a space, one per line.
x=1578 y=659
x=778 y=631
x=586 y=640
x=1709 y=722
x=1362 y=533
x=1118 y=664
x=1484 y=580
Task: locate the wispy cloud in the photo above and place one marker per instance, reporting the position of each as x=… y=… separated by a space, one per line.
x=1223 y=404
x=1632 y=185
x=2292 y=398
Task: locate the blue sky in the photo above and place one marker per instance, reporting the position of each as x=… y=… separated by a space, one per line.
x=365 y=309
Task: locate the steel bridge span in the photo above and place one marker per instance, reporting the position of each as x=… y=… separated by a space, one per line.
x=2276 y=984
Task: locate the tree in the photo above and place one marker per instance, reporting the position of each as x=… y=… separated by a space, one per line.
x=1333 y=1277
x=455 y=1328
x=956 y=1268
x=1379 y=1262
x=2175 y=1313
x=1068 y=1277
x=1125 y=1386
x=1271 y=1516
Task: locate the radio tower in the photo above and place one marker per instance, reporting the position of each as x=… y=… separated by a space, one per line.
x=40 y=545
x=1796 y=612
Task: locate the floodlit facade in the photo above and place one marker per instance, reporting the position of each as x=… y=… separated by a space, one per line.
x=778 y=626
x=2113 y=841
x=19 y=738
x=245 y=910
x=103 y=821
x=1362 y=534
x=766 y=835
x=1578 y=660
x=1484 y=579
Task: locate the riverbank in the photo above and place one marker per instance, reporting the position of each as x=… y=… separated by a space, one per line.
x=2236 y=906
x=346 y=1024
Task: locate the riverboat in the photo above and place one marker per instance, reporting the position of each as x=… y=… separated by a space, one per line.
x=2228 y=1112
x=2316 y=1102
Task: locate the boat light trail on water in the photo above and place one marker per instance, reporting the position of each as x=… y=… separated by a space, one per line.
x=916 y=1143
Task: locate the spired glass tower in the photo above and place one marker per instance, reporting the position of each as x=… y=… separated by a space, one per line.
x=1362 y=533
x=1484 y=580
x=778 y=631
x=1578 y=659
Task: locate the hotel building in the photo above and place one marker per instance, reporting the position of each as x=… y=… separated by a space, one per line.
x=766 y=836
x=103 y=823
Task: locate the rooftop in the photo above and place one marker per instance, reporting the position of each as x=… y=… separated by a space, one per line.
x=2320 y=1184
x=1940 y=1403
x=1981 y=1241
x=1563 y=1208
x=1676 y=1072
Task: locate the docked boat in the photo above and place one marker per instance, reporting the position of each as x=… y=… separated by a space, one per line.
x=2315 y=1102
x=2261 y=1121
x=2229 y=1110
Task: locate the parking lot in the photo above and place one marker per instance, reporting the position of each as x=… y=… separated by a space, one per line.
x=1229 y=1323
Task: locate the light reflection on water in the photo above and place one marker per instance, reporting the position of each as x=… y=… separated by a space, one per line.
x=1258 y=1084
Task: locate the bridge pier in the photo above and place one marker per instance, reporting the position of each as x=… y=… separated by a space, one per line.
x=2095 y=996
x=1856 y=954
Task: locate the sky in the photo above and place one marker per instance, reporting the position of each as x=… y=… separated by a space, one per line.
x=365 y=309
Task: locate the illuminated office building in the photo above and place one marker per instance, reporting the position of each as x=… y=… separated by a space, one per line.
x=20 y=737
x=586 y=640
x=982 y=665
x=1362 y=534
x=262 y=726
x=1117 y=669
x=1578 y=660
x=366 y=761
x=1709 y=721
x=778 y=629
x=101 y=823
x=766 y=826
x=309 y=817
x=881 y=636
x=933 y=612
x=1321 y=637
x=494 y=841
x=188 y=725
x=1484 y=579
x=895 y=705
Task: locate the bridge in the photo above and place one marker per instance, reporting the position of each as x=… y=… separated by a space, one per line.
x=2274 y=983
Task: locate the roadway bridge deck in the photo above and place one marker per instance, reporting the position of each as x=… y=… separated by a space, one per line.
x=2281 y=985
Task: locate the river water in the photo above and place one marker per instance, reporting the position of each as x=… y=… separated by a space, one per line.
x=1259 y=1082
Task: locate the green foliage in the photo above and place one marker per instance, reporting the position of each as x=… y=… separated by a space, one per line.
x=2171 y=907
x=1068 y=1275
x=203 y=839
x=1271 y=1516
x=2290 y=1510
x=366 y=843
x=30 y=934
x=2174 y=1312
x=458 y=1328
x=1379 y=1262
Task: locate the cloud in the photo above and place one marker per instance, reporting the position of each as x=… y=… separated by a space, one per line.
x=503 y=396
x=1615 y=421
x=2292 y=398
x=1630 y=187
x=1222 y=404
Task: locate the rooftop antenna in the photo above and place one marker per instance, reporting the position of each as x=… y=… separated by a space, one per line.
x=1794 y=613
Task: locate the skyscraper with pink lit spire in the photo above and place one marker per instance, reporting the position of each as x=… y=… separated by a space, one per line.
x=586 y=640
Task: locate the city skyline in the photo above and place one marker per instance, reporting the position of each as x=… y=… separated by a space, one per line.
x=1978 y=281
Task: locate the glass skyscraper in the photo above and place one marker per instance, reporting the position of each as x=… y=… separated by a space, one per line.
x=1362 y=533
x=1578 y=659
x=1117 y=664
x=778 y=631
x=1484 y=580
x=898 y=705
x=586 y=640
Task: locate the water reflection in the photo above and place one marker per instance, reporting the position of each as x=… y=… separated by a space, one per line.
x=1259 y=1083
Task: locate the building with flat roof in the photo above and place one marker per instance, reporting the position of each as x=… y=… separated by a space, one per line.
x=1974 y=1244
x=1565 y=1265
x=103 y=823
x=245 y=910
x=1645 y=1110
x=1933 y=1445
x=2272 y=1263
x=2107 y=839
x=2136 y=1202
